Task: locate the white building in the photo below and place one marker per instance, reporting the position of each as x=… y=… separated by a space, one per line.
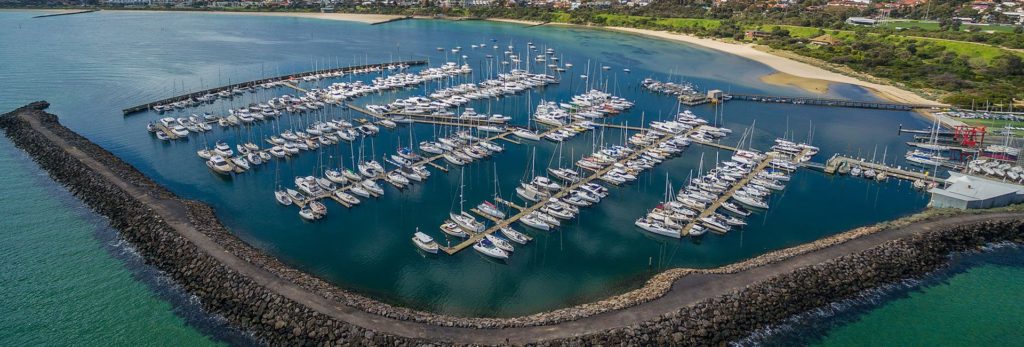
x=971 y=192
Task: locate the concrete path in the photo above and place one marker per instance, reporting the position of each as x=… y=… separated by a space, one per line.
x=686 y=291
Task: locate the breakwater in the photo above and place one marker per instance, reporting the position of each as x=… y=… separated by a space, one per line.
x=281 y=305
x=66 y=13
x=193 y=95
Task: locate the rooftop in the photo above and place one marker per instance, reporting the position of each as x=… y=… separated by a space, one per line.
x=967 y=187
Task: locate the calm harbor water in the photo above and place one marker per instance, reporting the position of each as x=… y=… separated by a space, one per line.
x=91 y=66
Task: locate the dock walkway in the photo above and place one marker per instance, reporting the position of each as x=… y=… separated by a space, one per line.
x=711 y=209
x=833 y=164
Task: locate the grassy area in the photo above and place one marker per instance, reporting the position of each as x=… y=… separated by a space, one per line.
x=995 y=125
x=560 y=17
x=906 y=24
x=689 y=22
x=934 y=26
x=642 y=21
x=809 y=32
x=967 y=49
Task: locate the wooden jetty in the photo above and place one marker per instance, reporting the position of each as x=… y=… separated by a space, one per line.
x=193 y=95
x=292 y=86
x=833 y=164
x=879 y=105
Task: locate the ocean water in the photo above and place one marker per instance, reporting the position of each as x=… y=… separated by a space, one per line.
x=975 y=301
x=68 y=279
x=91 y=66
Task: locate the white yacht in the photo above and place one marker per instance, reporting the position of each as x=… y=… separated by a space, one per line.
x=425 y=242
x=488 y=248
x=489 y=208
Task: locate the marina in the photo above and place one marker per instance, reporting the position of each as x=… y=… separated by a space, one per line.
x=597 y=253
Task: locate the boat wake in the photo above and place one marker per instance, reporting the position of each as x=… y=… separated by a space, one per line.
x=813 y=326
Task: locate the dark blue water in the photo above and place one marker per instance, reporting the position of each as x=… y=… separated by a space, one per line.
x=91 y=66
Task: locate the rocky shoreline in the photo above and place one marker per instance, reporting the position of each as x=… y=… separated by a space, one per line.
x=127 y=197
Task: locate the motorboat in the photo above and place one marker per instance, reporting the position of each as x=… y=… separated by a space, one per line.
x=308 y=214
x=424 y=242
x=282 y=197
x=205 y=153
x=335 y=176
x=372 y=187
x=219 y=165
x=697 y=230
x=318 y=207
x=346 y=197
x=357 y=189
x=526 y=134
x=449 y=227
x=294 y=195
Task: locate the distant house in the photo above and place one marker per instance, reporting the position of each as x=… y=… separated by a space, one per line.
x=825 y=40
x=756 y=34
x=848 y=3
x=982 y=6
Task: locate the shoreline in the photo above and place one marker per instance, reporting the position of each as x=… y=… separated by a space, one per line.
x=346 y=17
x=279 y=304
x=799 y=74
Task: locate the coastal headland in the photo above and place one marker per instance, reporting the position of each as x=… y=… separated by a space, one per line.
x=282 y=305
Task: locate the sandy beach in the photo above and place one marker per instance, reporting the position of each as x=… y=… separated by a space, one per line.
x=814 y=85
x=349 y=17
x=788 y=66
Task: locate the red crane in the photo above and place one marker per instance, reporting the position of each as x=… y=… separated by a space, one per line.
x=969 y=136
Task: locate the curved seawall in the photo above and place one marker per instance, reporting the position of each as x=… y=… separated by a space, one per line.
x=282 y=305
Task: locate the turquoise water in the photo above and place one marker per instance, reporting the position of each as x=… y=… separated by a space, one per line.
x=91 y=66
x=976 y=301
x=67 y=280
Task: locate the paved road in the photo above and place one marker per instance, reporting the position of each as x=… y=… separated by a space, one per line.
x=686 y=291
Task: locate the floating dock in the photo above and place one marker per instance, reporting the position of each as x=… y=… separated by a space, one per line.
x=833 y=164
x=711 y=209
x=147 y=106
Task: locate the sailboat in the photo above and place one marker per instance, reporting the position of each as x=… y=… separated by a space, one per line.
x=487 y=207
x=463 y=219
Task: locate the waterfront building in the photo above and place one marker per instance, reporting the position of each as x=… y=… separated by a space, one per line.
x=965 y=191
